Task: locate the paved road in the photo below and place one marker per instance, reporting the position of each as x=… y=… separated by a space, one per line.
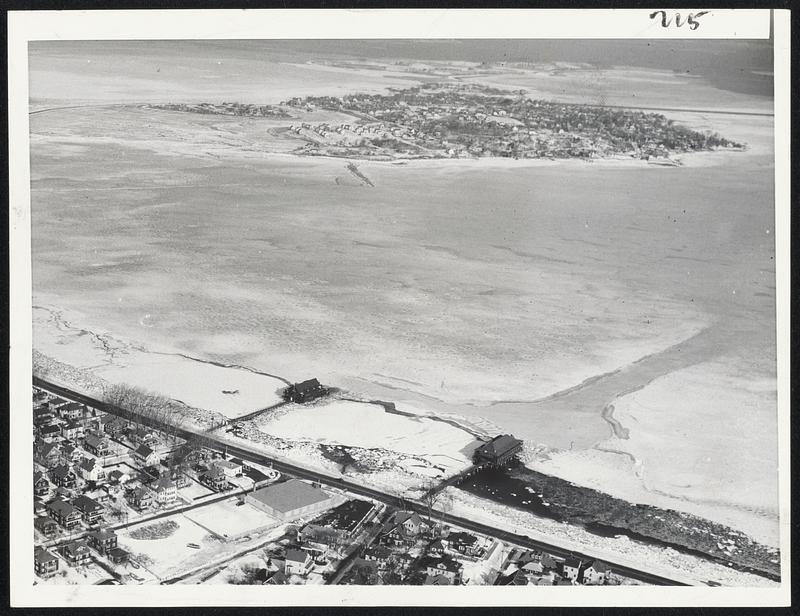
x=259 y=457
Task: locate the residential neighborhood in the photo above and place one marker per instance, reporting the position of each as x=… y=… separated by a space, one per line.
x=117 y=501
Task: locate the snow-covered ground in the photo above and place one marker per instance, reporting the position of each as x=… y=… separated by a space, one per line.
x=230 y=520
x=194 y=382
x=369 y=426
x=171 y=556
x=725 y=471
x=658 y=560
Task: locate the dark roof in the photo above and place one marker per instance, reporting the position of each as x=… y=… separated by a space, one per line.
x=40 y=555
x=102 y=534
x=462 y=538
x=88 y=464
x=143 y=450
x=62 y=470
x=446 y=564
x=346 y=516
x=297 y=556
x=572 y=562
x=378 y=551
x=94 y=440
x=289 y=495
x=71 y=406
x=436 y=580
x=50 y=429
x=309 y=385
x=500 y=445
x=62 y=508
x=85 y=503
x=41 y=522
x=599 y=566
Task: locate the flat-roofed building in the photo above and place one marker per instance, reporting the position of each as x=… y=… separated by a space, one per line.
x=291 y=499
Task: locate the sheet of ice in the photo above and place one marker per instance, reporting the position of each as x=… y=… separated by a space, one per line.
x=196 y=383
x=358 y=424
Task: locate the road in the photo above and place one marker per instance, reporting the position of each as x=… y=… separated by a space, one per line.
x=259 y=457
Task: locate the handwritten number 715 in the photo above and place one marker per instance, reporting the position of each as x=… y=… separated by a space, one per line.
x=691 y=19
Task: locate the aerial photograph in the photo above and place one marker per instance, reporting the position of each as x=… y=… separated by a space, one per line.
x=404 y=312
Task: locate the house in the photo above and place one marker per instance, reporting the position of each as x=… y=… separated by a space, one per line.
x=231 y=468
x=48 y=454
x=42 y=416
x=117 y=555
x=465 y=543
x=165 y=489
x=90 y=509
x=273 y=578
x=96 y=445
x=437 y=580
x=143 y=436
x=570 y=568
x=99 y=494
x=103 y=541
x=46 y=525
x=50 y=433
x=595 y=572
x=315 y=538
x=515 y=578
x=91 y=470
x=298 y=562
x=290 y=500
x=76 y=552
x=305 y=391
x=71 y=429
x=114 y=426
x=448 y=567
x=41 y=486
x=215 y=478
x=141 y=498
x=44 y=563
x=118 y=476
x=63 y=476
x=437 y=547
x=71 y=410
x=498 y=451
x=70 y=454
x=145 y=456
x=64 y=513
x=378 y=553
x=402 y=528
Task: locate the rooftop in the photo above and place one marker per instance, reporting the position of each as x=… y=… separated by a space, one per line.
x=346 y=516
x=289 y=495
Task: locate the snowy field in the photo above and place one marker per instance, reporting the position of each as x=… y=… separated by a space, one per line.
x=171 y=556
x=369 y=426
x=230 y=520
x=194 y=382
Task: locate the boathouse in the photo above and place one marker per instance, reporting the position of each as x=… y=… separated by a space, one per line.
x=305 y=391
x=497 y=452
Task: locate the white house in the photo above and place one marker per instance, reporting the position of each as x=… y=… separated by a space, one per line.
x=596 y=573
x=570 y=568
x=146 y=456
x=231 y=468
x=298 y=562
x=90 y=469
x=165 y=489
